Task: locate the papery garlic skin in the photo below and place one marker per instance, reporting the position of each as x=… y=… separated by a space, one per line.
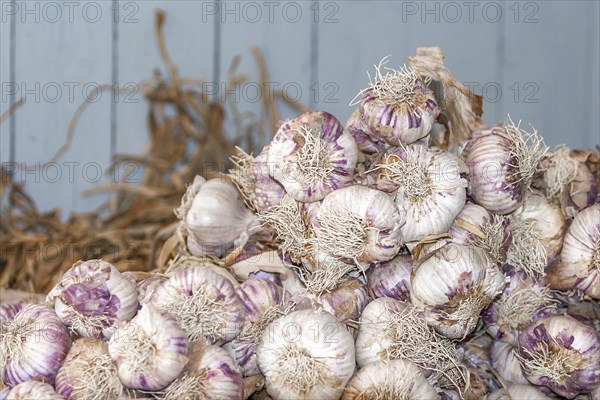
x=358 y=224
x=306 y=355
x=397 y=107
x=431 y=192
x=9 y=310
x=312 y=155
x=88 y=373
x=452 y=285
x=210 y=374
x=395 y=379
x=518 y=391
x=214 y=217
x=91 y=297
x=579 y=265
x=501 y=164
x=561 y=353
x=150 y=351
x=203 y=302
x=145 y=283
x=32 y=346
x=360 y=132
x=33 y=390
x=391 y=278
x=506 y=363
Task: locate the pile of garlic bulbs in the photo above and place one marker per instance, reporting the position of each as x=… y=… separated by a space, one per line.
x=365 y=261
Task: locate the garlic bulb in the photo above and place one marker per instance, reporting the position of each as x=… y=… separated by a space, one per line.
x=391 y=278
x=579 y=265
x=452 y=285
x=203 y=303
x=537 y=227
x=506 y=362
x=213 y=216
x=263 y=302
x=311 y=156
x=395 y=379
x=9 y=310
x=210 y=374
x=431 y=190
x=150 y=351
x=32 y=346
x=518 y=391
x=252 y=178
x=88 y=373
x=397 y=107
x=477 y=226
x=91 y=297
x=33 y=390
x=346 y=302
x=145 y=283
x=561 y=353
x=390 y=329
x=523 y=301
x=305 y=355
x=502 y=161
x=358 y=224
x=359 y=131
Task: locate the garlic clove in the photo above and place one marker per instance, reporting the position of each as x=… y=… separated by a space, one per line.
x=203 y=302
x=395 y=379
x=312 y=155
x=306 y=354
x=32 y=346
x=150 y=351
x=33 y=390
x=91 y=297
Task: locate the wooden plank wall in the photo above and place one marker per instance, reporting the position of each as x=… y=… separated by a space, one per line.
x=537 y=60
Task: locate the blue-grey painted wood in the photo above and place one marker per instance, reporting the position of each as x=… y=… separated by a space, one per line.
x=61 y=58
x=5 y=89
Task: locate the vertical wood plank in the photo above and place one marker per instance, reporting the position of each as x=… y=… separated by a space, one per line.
x=546 y=69
x=189 y=38
x=5 y=79
x=592 y=82
x=62 y=56
x=365 y=32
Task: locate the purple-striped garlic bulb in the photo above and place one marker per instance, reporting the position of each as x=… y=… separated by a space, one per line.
x=359 y=225
x=397 y=107
x=451 y=286
x=523 y=301
x=307 y=354
x=390 y=329
x=312 y=155
x=88 y=373
x=561 y=353
x=579 y=265
x=538 y=228
x=391 y=278
x=345 y=301
x=214 y=217
x=505 y=361
x=32 y=346
x=431 y=191
x=502 y=161
x=33 y=390
x=252 y=178
x=395 y=379
x=150 y=351
x=263 y=302
x=92 y=297
x=203 y=302
x=360 y=132
x=477 y=226
x=145 y=283
x=211 y=373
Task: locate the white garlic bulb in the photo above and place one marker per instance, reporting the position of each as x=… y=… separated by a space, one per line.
x=150 y=351
x=312 y=155
x=88 y=373
x=359 y=225
x=214 y=217
x=431 y=191
x=452 y=285
x=33 y=390
x=91 y=297
x=32 y=346
x=203 y=303
x=395 y=379
x=306 y=355
x=579 y=265
x=397 y=107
